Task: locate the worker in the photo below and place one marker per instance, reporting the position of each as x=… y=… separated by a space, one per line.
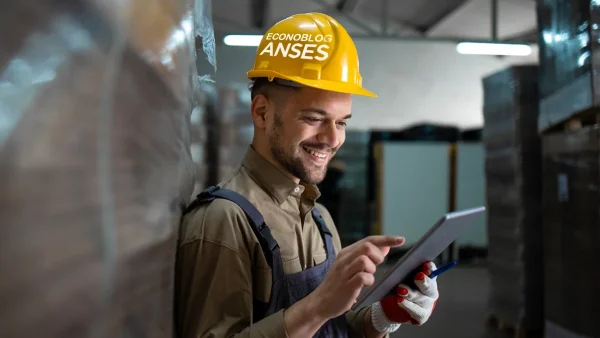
x=257 y=255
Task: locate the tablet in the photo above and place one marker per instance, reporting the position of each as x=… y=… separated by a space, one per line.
x=430 y=246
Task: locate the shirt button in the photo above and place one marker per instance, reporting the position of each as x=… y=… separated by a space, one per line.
x=296 y=189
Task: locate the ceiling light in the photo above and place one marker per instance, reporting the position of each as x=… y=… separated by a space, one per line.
x=242 y=40
x=481 y=48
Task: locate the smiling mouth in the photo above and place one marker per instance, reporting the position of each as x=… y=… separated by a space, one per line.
x=315 y=153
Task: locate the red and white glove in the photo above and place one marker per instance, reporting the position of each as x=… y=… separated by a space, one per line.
x=407 y=306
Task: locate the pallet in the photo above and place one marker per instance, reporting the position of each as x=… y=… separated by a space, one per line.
x=511 y=332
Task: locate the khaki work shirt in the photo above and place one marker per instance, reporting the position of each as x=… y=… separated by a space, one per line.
x=221 y=266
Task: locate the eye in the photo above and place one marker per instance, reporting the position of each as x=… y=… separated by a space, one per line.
x=312 y=120
x=342 y=125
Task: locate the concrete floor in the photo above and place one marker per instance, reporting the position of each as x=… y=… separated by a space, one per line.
x=461 y=311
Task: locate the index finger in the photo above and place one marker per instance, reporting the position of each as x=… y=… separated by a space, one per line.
x=381 y=241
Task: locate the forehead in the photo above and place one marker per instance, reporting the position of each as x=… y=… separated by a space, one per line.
x=335 y=104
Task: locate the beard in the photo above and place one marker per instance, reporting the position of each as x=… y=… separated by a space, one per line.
x=291 y=158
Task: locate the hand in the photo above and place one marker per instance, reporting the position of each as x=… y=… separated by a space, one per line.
x=352 y=270
x=410 y=306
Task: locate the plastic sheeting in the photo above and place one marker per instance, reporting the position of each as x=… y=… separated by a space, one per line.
x=95 y=164
x=568 y=42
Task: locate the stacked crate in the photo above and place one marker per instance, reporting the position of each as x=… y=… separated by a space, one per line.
x=571 y=177
x=513 y=165
x=569 y=123
x=568 y=44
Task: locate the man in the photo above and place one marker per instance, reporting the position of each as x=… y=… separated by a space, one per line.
x=258 y=257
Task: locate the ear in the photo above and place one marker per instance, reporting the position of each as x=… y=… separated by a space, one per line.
x=259 y=108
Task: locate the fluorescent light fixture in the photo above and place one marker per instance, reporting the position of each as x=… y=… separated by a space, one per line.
x=242 y=40
x=482 y=48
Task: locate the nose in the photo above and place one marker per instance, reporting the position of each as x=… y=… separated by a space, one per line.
x=329 y=134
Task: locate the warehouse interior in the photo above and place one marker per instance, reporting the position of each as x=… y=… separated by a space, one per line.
x=114 y=114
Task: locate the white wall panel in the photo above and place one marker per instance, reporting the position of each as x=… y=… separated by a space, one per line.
x=415 y=187
x=470 y=190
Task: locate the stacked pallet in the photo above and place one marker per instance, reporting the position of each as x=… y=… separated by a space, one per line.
x=568 y=65
x=570 y=124
x=571 y=177
x=513 y=191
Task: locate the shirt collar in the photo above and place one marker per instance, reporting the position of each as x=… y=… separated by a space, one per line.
x=274 y=181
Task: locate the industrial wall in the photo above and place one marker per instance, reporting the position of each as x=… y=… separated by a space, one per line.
x=416 y=81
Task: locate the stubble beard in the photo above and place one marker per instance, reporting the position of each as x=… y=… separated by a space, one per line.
x=291 y=160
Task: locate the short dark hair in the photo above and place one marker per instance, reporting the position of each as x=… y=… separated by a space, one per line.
x=262 y=85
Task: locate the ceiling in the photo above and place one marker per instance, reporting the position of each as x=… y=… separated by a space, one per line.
x=433 y=19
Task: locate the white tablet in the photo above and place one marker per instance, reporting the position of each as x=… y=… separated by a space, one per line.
x=430 y=246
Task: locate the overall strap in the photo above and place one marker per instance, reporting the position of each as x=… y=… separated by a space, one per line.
x=325 y=233
x=255 y=218
x=320 y=222
x=262 y=232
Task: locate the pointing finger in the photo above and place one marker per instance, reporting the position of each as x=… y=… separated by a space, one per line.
x=385 y=241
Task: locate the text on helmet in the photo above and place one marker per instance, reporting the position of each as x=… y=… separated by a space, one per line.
x=295 y=46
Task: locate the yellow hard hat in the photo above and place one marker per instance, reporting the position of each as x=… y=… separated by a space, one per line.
x=311 y=49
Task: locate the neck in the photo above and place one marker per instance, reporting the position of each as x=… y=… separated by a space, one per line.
x=265 y=152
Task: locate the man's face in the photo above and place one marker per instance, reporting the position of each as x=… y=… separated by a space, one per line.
x=306 y=129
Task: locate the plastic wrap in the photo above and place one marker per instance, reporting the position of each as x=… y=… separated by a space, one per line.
x=568 y=43
x=571 y=177
x=95 y=163
x=512 y=167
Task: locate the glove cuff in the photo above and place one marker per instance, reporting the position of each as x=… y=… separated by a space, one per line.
x=380 y=321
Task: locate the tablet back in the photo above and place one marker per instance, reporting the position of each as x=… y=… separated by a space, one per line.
x=431 y=245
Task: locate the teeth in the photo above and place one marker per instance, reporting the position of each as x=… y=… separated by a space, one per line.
x=312 y=152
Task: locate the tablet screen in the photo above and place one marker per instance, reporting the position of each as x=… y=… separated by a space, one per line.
x=430 y=246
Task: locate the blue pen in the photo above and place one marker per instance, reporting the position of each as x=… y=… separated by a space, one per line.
x=442 y=269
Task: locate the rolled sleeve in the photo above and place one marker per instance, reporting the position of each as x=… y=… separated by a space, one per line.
x=356 y=322
x=271 y=326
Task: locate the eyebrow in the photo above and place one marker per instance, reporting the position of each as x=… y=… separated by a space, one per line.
x=322 y=112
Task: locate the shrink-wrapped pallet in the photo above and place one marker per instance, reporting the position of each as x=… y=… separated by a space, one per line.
x=571 y=178
x=513 y=167
x=95 y=164
x=569 y=62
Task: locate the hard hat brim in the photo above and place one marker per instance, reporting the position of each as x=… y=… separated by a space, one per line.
x=346 y=88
